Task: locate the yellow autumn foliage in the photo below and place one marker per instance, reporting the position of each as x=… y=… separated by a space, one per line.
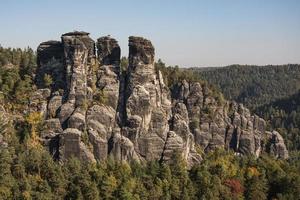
x=34 y=119
x=223 y=163
x=252 y=171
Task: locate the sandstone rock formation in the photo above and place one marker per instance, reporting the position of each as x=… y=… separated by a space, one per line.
x=219 y=123
x=4 y=121
x=93 y=109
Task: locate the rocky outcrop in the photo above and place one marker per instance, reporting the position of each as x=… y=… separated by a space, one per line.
x=276 y=145
x=93 y=109
x=217 y=123
x=50 y=63
x=147 y=108
x=4 y=123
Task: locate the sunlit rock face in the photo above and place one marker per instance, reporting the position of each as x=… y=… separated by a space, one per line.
x=148 y=110
x=93 y=109
x=225 y=124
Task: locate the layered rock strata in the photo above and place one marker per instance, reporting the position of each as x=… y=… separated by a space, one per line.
x=93 y=109
x=216 y=123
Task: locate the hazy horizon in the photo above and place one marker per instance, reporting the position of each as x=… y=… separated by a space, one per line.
x=185 y=33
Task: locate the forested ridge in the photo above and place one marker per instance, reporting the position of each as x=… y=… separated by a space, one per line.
x=17 y=69
x=253 y=85
x=284 y=115
x=28 y=171
x=31 y=173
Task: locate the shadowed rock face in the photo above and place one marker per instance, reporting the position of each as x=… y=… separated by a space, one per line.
x=140 y=49
x=93 y=109
x=50 y=62
x=108 y=51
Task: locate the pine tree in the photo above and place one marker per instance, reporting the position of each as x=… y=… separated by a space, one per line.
x=6 y=179
x=256 y=188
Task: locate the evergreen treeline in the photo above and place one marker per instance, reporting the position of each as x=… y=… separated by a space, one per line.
x=30 y=173
x=173 y=75
x=17 y=68
x=253 y=86
x=284 y=115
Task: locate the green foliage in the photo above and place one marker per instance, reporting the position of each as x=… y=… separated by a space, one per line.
x=32 y=174
x=284 y=115
x=100 y=97
x=17 y=68
x=47 y=80
x=7 y=181
x=174 y=75
x=194 y=124
x=124 y=64
x=256 y=188
x=208 y=112
x=253 y=85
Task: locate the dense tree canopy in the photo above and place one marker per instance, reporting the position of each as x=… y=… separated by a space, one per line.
x=253 y=85
x=284 y=115
x=30 y=173
x=17 y=69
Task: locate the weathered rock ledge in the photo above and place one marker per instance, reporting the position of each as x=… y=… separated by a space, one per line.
x=93 y=109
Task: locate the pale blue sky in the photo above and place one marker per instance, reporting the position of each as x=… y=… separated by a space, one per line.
x=187 y=32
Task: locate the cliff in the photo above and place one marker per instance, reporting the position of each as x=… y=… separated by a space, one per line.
x=94 y=109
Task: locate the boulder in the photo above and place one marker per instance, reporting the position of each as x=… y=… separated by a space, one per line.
x=277 y=146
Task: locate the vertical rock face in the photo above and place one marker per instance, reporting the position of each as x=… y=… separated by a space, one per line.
x=109 y=51
x=216 y=123
x=75 y=54
x=147 y=106
x=141 y=106
x=50 y=62
x=102 y=116
x=276 y=145
x=108 y=74
x=93 y=109
x=69 y=64
x=78 y=52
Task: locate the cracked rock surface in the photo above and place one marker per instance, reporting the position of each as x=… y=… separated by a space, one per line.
x=93 y=109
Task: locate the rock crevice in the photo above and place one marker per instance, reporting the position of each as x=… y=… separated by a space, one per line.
x=94 y=109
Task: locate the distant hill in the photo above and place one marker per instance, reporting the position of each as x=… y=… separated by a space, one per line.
x=251 y=85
